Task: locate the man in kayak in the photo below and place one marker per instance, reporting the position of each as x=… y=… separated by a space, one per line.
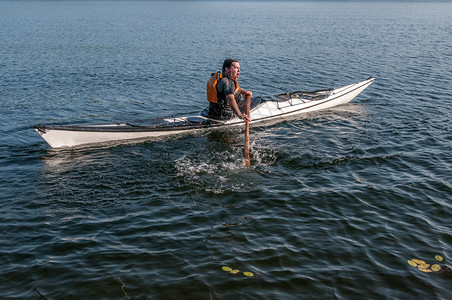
x=229 y=93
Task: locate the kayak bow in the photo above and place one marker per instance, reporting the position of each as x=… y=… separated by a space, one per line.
x=272 y=108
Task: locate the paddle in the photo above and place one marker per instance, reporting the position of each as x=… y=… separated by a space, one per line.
x=246 y=152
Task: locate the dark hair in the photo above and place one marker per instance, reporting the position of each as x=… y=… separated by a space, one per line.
x=227 y=63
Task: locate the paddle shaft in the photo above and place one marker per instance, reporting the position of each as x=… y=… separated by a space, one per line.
x=246 y=153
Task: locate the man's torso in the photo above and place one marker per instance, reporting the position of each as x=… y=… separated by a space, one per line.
x=225 y=87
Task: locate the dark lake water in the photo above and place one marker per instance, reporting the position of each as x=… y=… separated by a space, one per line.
x=334 y=205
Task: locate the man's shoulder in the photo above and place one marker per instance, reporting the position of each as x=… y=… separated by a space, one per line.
x=225 y=81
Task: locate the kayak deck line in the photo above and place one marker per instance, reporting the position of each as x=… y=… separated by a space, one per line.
x=332 y=92
x=124 y=127
x=278 y=107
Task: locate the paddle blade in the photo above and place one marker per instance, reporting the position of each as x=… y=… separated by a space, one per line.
x=246 y=152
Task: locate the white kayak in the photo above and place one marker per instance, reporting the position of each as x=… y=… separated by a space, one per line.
x=263 y=109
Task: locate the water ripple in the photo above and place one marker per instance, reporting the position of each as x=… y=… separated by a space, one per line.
x=334 y=204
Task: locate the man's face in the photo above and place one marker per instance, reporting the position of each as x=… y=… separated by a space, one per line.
x=234 y=70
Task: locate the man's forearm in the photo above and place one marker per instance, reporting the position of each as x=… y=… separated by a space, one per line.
x=234 y=105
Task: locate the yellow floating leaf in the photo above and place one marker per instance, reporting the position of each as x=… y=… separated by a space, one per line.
x=249 y=274
x=226 y=269
x=412 y=263
x=439 y=258
x=436 y=268
x=234 y=271
x=419 y=261
x=425 y=270
x=423 y=266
